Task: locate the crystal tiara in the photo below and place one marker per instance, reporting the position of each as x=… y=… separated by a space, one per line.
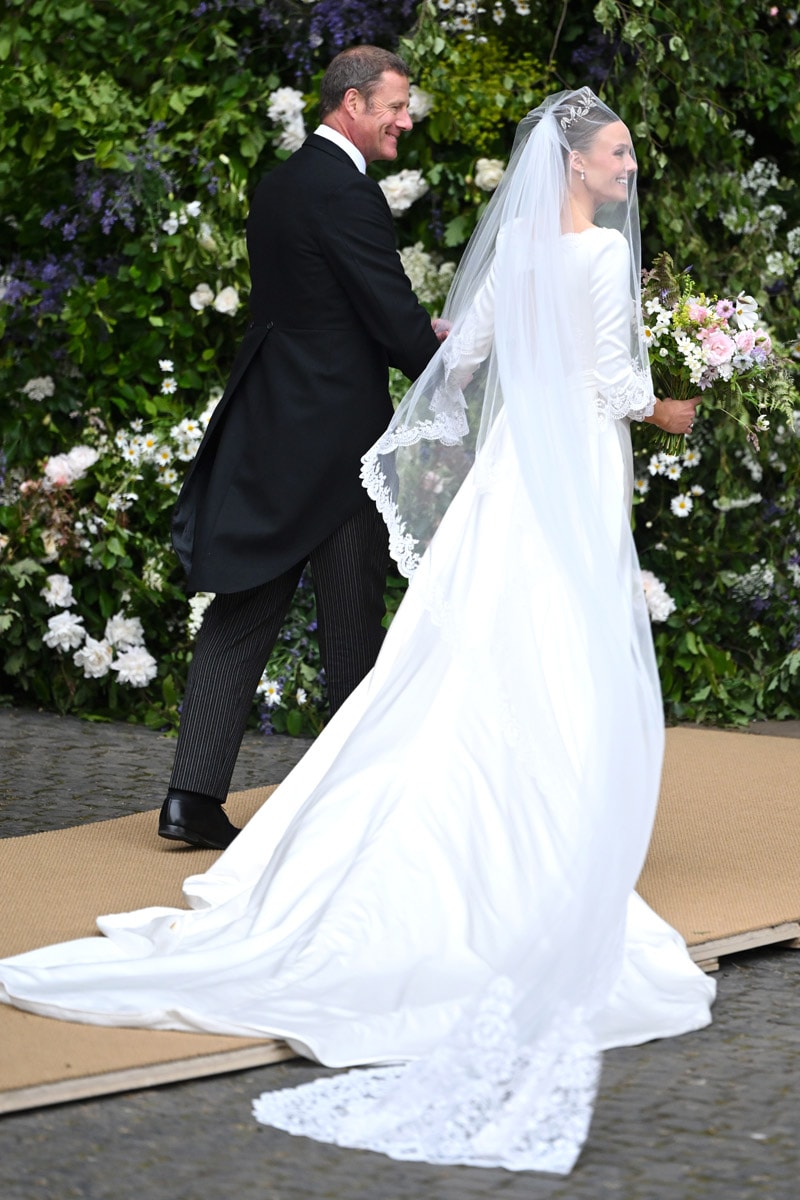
x=576 y=111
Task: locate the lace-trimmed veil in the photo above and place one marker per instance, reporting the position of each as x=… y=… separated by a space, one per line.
x=510 y=343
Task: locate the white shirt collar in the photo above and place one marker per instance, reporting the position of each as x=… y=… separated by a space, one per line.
x=341 y=141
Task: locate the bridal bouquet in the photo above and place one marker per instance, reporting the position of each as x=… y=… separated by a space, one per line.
x=700 y=344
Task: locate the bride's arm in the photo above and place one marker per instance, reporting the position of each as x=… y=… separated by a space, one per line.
x=469 y=343
x=624 y=391
x=624 y=388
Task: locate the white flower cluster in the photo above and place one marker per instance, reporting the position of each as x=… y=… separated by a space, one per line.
x=137 y=447
x=402 y=189
x=726 y=503
x=180 y=216
x=225 y=301
x=96 y=657
x=429 y=278
x=659 y=602
x=198 y=604
x=467 y=13
x=285 y=108
x=62 y=470
x=40 y=388
x=758 y=581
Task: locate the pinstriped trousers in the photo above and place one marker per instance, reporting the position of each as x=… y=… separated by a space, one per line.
x=239 y=631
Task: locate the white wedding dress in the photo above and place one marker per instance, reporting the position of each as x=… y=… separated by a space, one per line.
x=442 y=888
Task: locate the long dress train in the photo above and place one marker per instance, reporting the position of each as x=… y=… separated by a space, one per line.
x=442 y=887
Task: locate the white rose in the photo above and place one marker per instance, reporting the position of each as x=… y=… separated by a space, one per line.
x=285 y=104
x=419 y=103
x=124 y=632
x=201 y=297
x=193 y=208
x=94 y=658
x=402 y=189
x=171 y=224
x=57 y=471
x=488 y=173
x=80 y=458
x=227 y=301
x=65 y=631
x=57 y=591
x=659 y=602
x=136 y=667
x=293 y=136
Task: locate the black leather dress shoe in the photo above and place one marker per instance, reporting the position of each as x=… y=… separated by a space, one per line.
x=196 y=819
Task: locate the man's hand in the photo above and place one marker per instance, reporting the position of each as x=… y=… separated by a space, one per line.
x=674 y=416
x=441 y=328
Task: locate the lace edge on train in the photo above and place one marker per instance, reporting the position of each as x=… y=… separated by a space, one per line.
x=479 y=1099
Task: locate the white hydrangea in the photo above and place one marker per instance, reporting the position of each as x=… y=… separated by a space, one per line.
x=123 y=632
x=762 y=176
x=429 y=278
x=488 y=173
x=40 y=388
x=402 y=189
x=227 y=301
x=136 y=667
x=64 y=631
x=659 y=602
x=57 y=591
x=774 y=263
x=94 y=658
x=758 y=581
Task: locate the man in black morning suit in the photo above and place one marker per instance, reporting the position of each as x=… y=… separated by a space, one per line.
x=276 y=479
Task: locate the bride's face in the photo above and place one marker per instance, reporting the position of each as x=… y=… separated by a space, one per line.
x=608 y=164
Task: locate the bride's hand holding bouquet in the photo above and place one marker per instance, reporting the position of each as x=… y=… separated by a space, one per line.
x=710 y=349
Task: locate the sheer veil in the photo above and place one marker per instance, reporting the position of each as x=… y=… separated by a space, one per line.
x=514 y=1082
x=510 y=345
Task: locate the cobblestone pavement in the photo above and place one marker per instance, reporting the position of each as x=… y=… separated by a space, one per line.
x=711 y=1116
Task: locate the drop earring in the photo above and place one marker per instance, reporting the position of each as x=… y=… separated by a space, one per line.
x=583 y=176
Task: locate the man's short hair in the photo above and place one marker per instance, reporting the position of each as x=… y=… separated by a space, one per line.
x=359 y=67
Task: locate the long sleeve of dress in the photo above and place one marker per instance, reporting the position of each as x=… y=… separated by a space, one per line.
x=624 y=388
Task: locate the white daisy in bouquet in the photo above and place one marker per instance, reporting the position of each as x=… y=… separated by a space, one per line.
x=717 y=347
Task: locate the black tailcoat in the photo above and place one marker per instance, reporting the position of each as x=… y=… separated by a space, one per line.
x=332 y=309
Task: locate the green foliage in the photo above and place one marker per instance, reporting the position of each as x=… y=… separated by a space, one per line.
x=131 y=140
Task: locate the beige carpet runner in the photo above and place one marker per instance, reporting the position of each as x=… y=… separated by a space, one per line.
x=723 y=868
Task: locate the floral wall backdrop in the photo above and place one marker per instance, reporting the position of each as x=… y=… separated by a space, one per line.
x=132 y=139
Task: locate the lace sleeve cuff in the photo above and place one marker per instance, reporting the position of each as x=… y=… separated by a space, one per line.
x=633 y=399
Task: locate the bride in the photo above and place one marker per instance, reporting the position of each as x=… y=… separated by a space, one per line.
x=441 y=893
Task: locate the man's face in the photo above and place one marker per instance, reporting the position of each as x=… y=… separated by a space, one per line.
x=378 y=123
